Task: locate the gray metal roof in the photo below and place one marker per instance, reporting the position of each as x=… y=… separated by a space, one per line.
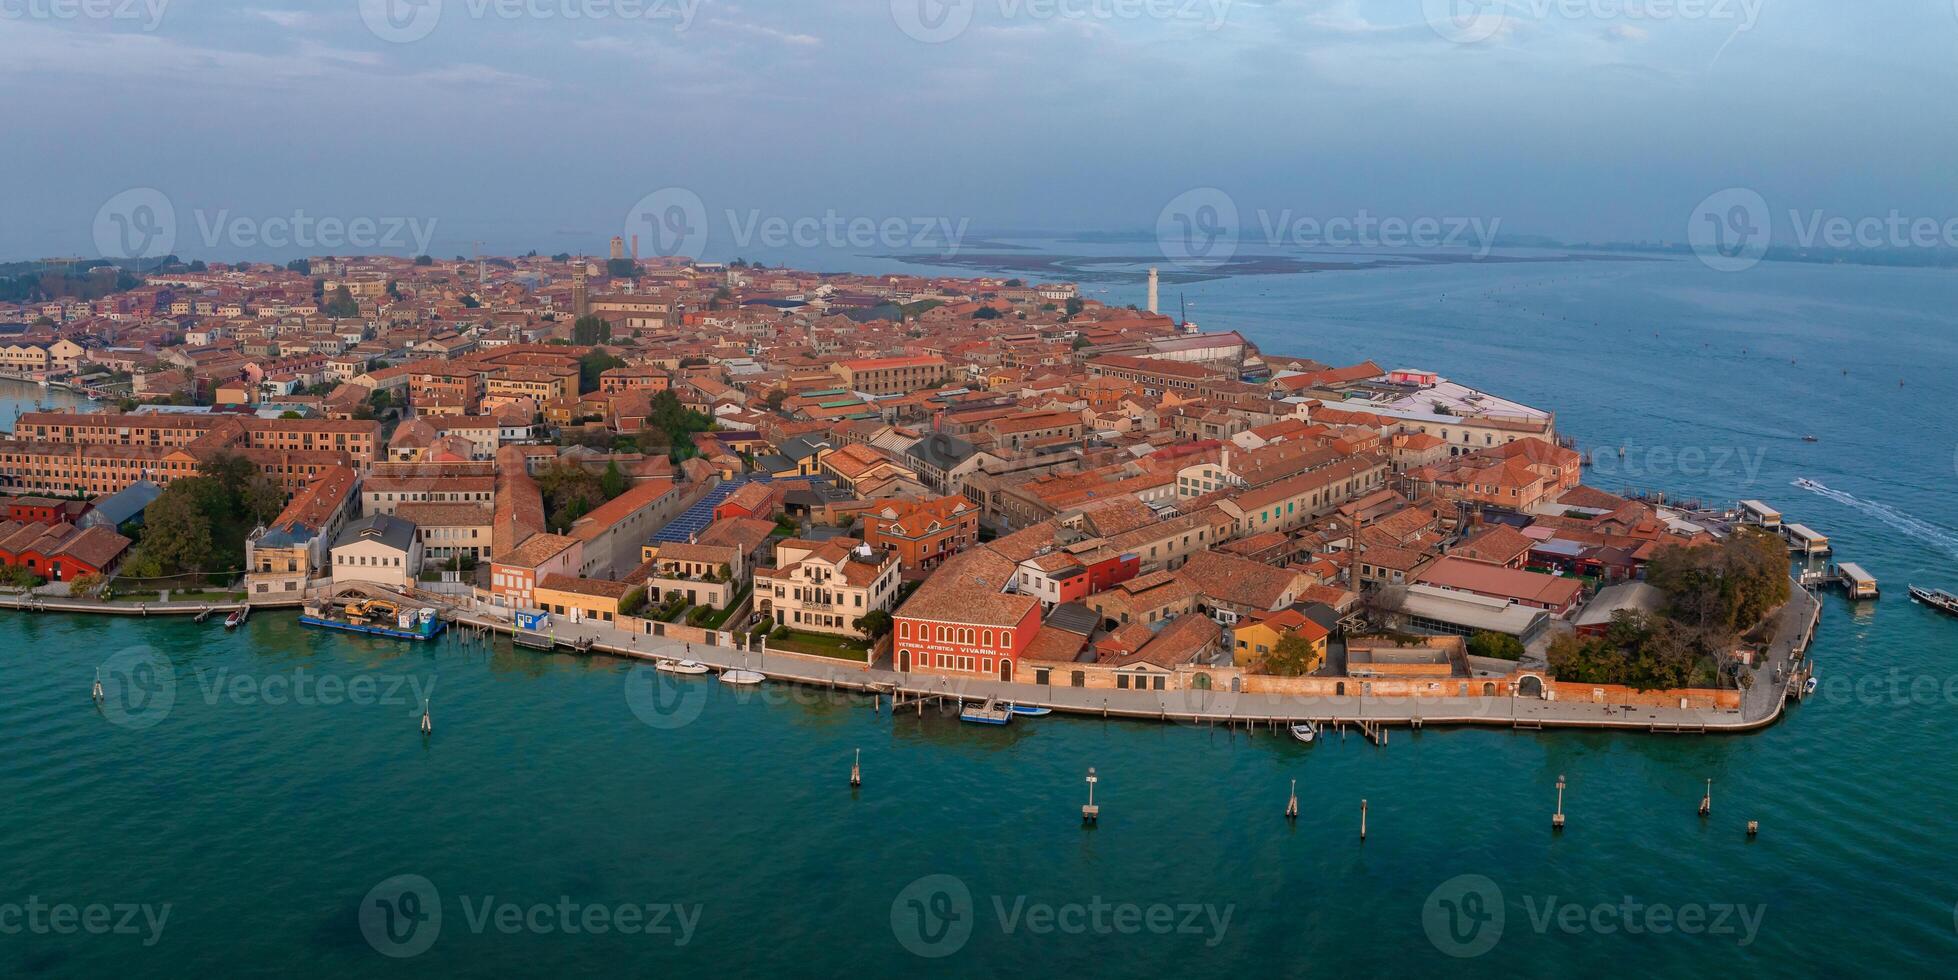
x=117 y=508
x=395 y=532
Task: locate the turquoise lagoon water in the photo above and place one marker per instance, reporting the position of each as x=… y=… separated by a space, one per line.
x=269 y=826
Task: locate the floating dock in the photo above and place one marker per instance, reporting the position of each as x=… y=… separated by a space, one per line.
x=1853 y=580
x=1804 y=540
x=420 y=624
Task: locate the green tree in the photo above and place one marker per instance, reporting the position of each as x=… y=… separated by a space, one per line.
x=1500 y=646
x=424 y=260
x=591 y=330
x=177 y=533
x=594 y=364
x=874 y=625
x=612 y=482
x=1293 y=656
x=341 y=304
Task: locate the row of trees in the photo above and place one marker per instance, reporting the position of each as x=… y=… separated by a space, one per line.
x=1713 y=596
x=1646 y=652
x=199 y=524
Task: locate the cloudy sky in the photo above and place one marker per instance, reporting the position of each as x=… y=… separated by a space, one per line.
x=543 y=123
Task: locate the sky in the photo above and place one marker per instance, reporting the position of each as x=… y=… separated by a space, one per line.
x=710 y=124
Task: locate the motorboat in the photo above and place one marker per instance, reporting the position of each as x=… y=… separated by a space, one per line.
x=990 y=713
x=1937 y=599
x=237 y=616
x=1030 y=711
x=1808 y=686
x=1305 y=732
x=742 y=677
x=682 y=667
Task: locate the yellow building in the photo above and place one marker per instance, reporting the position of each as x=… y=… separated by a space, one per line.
x=1255 y=639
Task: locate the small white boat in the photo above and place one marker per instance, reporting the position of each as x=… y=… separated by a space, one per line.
x=1808 y=687
x=1031 y=711
x=237 y=616
x=1305 y=732
x=682 y=667
x=990 y=713
x=742 y=677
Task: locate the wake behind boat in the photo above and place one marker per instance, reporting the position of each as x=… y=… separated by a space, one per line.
x=1938 y=599
x=682 y=667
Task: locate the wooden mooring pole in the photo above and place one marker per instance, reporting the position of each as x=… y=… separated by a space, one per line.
x=1292 y=805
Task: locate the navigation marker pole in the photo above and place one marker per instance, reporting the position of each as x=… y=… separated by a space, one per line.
x=1557 y=819
x=428 y=724
x=1292 y=805
x=1091 y=812
x=1363 y=821
x=1706 y=802
x=97 y=692
x=856 y=770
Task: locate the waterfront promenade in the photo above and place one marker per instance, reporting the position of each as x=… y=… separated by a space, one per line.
x=1762 y=703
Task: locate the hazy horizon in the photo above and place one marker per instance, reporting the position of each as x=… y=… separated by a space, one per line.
x=555 y=124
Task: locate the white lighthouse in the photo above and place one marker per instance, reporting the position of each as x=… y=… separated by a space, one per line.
x=1152 y=289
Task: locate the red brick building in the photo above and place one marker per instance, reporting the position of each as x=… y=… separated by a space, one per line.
x=960 y=623
x=923 y=532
